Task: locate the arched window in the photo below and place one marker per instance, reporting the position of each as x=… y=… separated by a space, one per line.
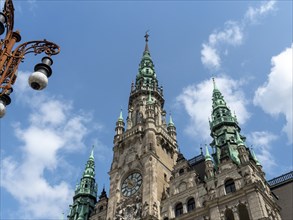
x=230 y=186
x=190 y=204
x=243 y=212
x=101 y=208
x=229 y=215
x=181 y=171
x=178 y=209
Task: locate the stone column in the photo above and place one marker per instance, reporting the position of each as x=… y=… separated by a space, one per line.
x=184 y=208
x=257 y=206
x=235 y=212
x=215 y=213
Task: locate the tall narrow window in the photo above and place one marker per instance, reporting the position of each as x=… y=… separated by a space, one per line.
x=230 y=186
x=178 y=209
x=190 y=204
x=229 y=215
x=243 y=212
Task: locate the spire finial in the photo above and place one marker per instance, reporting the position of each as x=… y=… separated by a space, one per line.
x=214 y=82
x=146 y=36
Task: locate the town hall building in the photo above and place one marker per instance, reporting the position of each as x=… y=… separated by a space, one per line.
x=151 y=180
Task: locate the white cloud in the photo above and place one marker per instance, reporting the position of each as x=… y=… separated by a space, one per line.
x=210 y=57
x=275 y=95
x=231 y=35
x=197 y=101
x=52 y=127
x=261 y=141
x=210 y=53
x=254 y=13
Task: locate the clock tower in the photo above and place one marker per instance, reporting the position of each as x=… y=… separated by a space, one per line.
x=145 y=149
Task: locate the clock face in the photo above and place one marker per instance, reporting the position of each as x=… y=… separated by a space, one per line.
x=131 y=184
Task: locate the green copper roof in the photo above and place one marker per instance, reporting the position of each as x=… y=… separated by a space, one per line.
x=90 y=166
x=218 y=98
x=171 y=123
x=208 y=156
x=85 y=196
x=254 y=157
x=221 y=114
x=239 y=141
x=120 y=116
x=223 y=127
x=92 y=153
x=146 y=72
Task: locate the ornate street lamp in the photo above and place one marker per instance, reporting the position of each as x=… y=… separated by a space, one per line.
x=10 y=59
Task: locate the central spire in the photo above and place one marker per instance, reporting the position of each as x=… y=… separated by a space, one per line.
x=146 y=72
x=146 y=82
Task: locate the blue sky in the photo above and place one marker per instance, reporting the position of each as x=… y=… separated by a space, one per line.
x=46 y=137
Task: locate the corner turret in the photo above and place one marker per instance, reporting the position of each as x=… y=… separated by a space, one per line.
x=228 y=143
x=223 y=126
x=171 y=128
x=209 y=165
x=85 y=196
x=119 y=129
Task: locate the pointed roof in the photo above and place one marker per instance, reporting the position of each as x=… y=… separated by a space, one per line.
x=171 y=123
x=103 y=194
x=221 y=114
x=120 y=118
x=218 y=98
x=239 y=141
x=254 y=157
x=222 y=118
x=180 y=157
x=146 y=78
x=146 y=67
x=85 y=196
x=207 y=156
x=90 y=166
x=92 y=153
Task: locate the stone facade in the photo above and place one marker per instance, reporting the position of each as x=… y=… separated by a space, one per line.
x=151 y=179
x=282 y=188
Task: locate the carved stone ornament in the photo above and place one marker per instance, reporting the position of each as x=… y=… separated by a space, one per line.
x=130 y=209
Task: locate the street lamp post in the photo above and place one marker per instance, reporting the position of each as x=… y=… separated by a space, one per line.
x=10 y=58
